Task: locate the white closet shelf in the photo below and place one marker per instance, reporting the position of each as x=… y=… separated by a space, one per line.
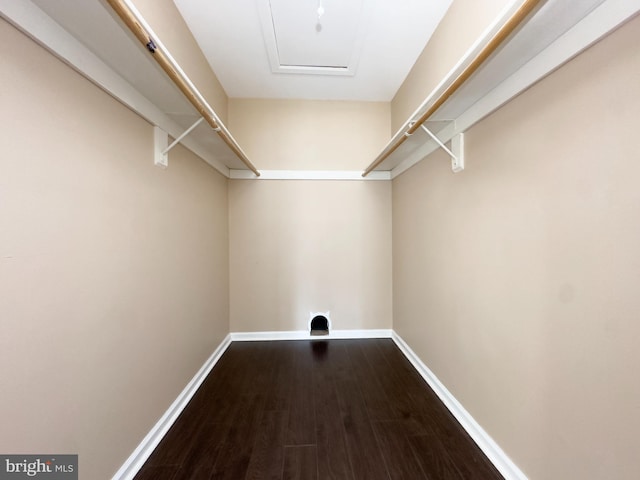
x=90 y=37
x=528 y=40
x=98 y=39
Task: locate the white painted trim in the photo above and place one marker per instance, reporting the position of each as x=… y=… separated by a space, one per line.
x=35 y=23
x=597 y=24
x=490 y=448
x=136 y=460
x=308 y=175
x=305 y=335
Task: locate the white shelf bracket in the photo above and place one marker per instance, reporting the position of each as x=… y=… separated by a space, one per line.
x=161 y=150
x=184 y=134
x=160 y=140
x=457 y=144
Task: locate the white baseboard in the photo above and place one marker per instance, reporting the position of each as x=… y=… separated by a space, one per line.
x=140 y=455
x=304 y=335
x=496 y=455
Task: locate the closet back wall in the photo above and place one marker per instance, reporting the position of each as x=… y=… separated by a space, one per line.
x=113 y=272
x=310 y=134
x=298 y=246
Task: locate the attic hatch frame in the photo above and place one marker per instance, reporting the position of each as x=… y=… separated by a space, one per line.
x=508 y=27
x=132 y=18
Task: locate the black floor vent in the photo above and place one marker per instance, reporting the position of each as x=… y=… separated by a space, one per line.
x=319 y=325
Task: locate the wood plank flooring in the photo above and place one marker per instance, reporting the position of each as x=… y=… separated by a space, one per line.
x=317 y=410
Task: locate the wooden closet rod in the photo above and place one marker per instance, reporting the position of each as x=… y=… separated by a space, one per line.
x=509 y=26
x=179 y=79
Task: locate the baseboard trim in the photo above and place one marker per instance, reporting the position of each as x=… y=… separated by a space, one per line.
x=140 y=455
x=304 y=335
x=496 y=455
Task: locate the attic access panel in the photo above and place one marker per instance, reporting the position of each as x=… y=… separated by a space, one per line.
x=301 y=40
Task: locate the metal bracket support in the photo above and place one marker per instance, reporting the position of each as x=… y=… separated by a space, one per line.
x=457 y=145
x=160 y=139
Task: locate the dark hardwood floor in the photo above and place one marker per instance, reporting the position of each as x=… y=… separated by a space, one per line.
x=318 y=409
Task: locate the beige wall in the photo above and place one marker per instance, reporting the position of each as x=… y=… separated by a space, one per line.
x=462 y=25
x=302 y=246
x=298 y=246
x=310 y=134
x=516 y=281
x=113 y=273
x=165 y=19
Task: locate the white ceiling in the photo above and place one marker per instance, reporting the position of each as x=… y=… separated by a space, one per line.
x=357 y=50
